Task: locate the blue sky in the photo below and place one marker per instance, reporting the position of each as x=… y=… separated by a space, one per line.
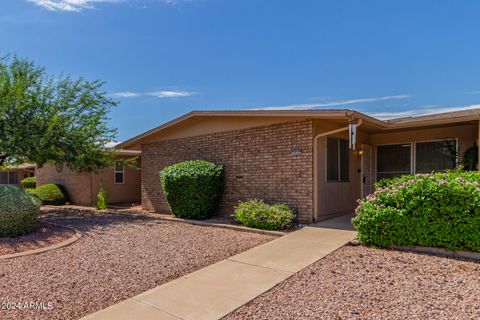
x=163 y=58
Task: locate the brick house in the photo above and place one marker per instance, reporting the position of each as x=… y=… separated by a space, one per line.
x=318 y=162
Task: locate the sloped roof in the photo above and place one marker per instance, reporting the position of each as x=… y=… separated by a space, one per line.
x=392 y=124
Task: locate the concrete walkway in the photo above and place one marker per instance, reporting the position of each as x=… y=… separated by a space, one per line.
x=217 y=290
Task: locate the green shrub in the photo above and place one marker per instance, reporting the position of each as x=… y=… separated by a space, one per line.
x=102 y=199
x=50 y=194
x=29 y=183
x=192 y=188
x=257 y=214
x=18 y=211
x=434 y=210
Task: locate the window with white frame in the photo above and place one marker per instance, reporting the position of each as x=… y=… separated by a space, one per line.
x=418 y=157
x=119 y=172
x=337 y=159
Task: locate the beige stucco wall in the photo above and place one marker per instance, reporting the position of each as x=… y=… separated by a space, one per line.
x=129 y=191
x=83 y=187
x=466 y=134
x=78 y=185
x=334 y=198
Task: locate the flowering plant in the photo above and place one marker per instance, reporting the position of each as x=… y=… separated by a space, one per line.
x=437 y=210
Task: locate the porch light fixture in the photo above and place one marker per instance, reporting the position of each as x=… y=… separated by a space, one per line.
x=358 y=152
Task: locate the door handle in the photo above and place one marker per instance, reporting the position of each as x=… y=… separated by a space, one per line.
x=364 y=179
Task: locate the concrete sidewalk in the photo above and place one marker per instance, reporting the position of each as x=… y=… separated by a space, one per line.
x=217 y=290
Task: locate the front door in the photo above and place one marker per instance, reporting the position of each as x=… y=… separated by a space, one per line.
x=366 y=170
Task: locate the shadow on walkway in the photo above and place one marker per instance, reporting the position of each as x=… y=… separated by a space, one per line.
x=340 y=223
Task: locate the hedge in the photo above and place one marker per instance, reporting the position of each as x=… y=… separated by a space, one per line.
x=50 y=194
x=29 y=183
x=257 y=214
x=18 y=211
x=434 y=210
x=192 y=188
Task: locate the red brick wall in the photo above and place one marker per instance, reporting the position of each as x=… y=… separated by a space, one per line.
x=258 y=164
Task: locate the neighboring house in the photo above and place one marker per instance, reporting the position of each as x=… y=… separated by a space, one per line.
x=121 y=181
x=302 y=158
x=15 y=174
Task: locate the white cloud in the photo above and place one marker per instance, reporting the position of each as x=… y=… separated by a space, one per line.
x=474 y=92
x=125 y=94
x=69 y=5
x=79 y=5
x=111 y=144
x=170 y=94
x=421 y=111
x=307 y=106
x=157 y=94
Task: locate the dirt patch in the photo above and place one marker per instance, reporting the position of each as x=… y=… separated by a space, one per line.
x=42 y=236
x=119 y=255
x=362 y=283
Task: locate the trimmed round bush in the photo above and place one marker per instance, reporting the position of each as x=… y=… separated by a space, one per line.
x=29 y=183
x=257 y=214
x=18 y=211
x=50 y=194
x=192 y=188
x=433 y=210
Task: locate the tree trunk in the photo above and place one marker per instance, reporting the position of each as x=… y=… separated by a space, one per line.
x=3 y=157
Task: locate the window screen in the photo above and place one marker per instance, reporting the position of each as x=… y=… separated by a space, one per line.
x=344 y=153
x=337 y=159
x=3 y=177
x=393 y=160
x=435 y=156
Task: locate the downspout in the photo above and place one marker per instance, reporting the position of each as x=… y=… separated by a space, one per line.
x=315 y=162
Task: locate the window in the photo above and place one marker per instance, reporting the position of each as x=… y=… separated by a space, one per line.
x=3 y=177
x=393 y=160
x=396 y=159
x=13 y=178
x=337 y=159
x=29 y=174
x=8 y=177
x=435 y=156
x=119 y=172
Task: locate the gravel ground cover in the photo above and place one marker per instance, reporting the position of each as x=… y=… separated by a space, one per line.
x=119 y=256
x=43 y=235
x=364 y=283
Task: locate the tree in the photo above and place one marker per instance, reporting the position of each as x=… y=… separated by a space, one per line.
x=46 y=119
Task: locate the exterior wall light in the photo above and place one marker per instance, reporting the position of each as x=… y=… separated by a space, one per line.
x=358 y=152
